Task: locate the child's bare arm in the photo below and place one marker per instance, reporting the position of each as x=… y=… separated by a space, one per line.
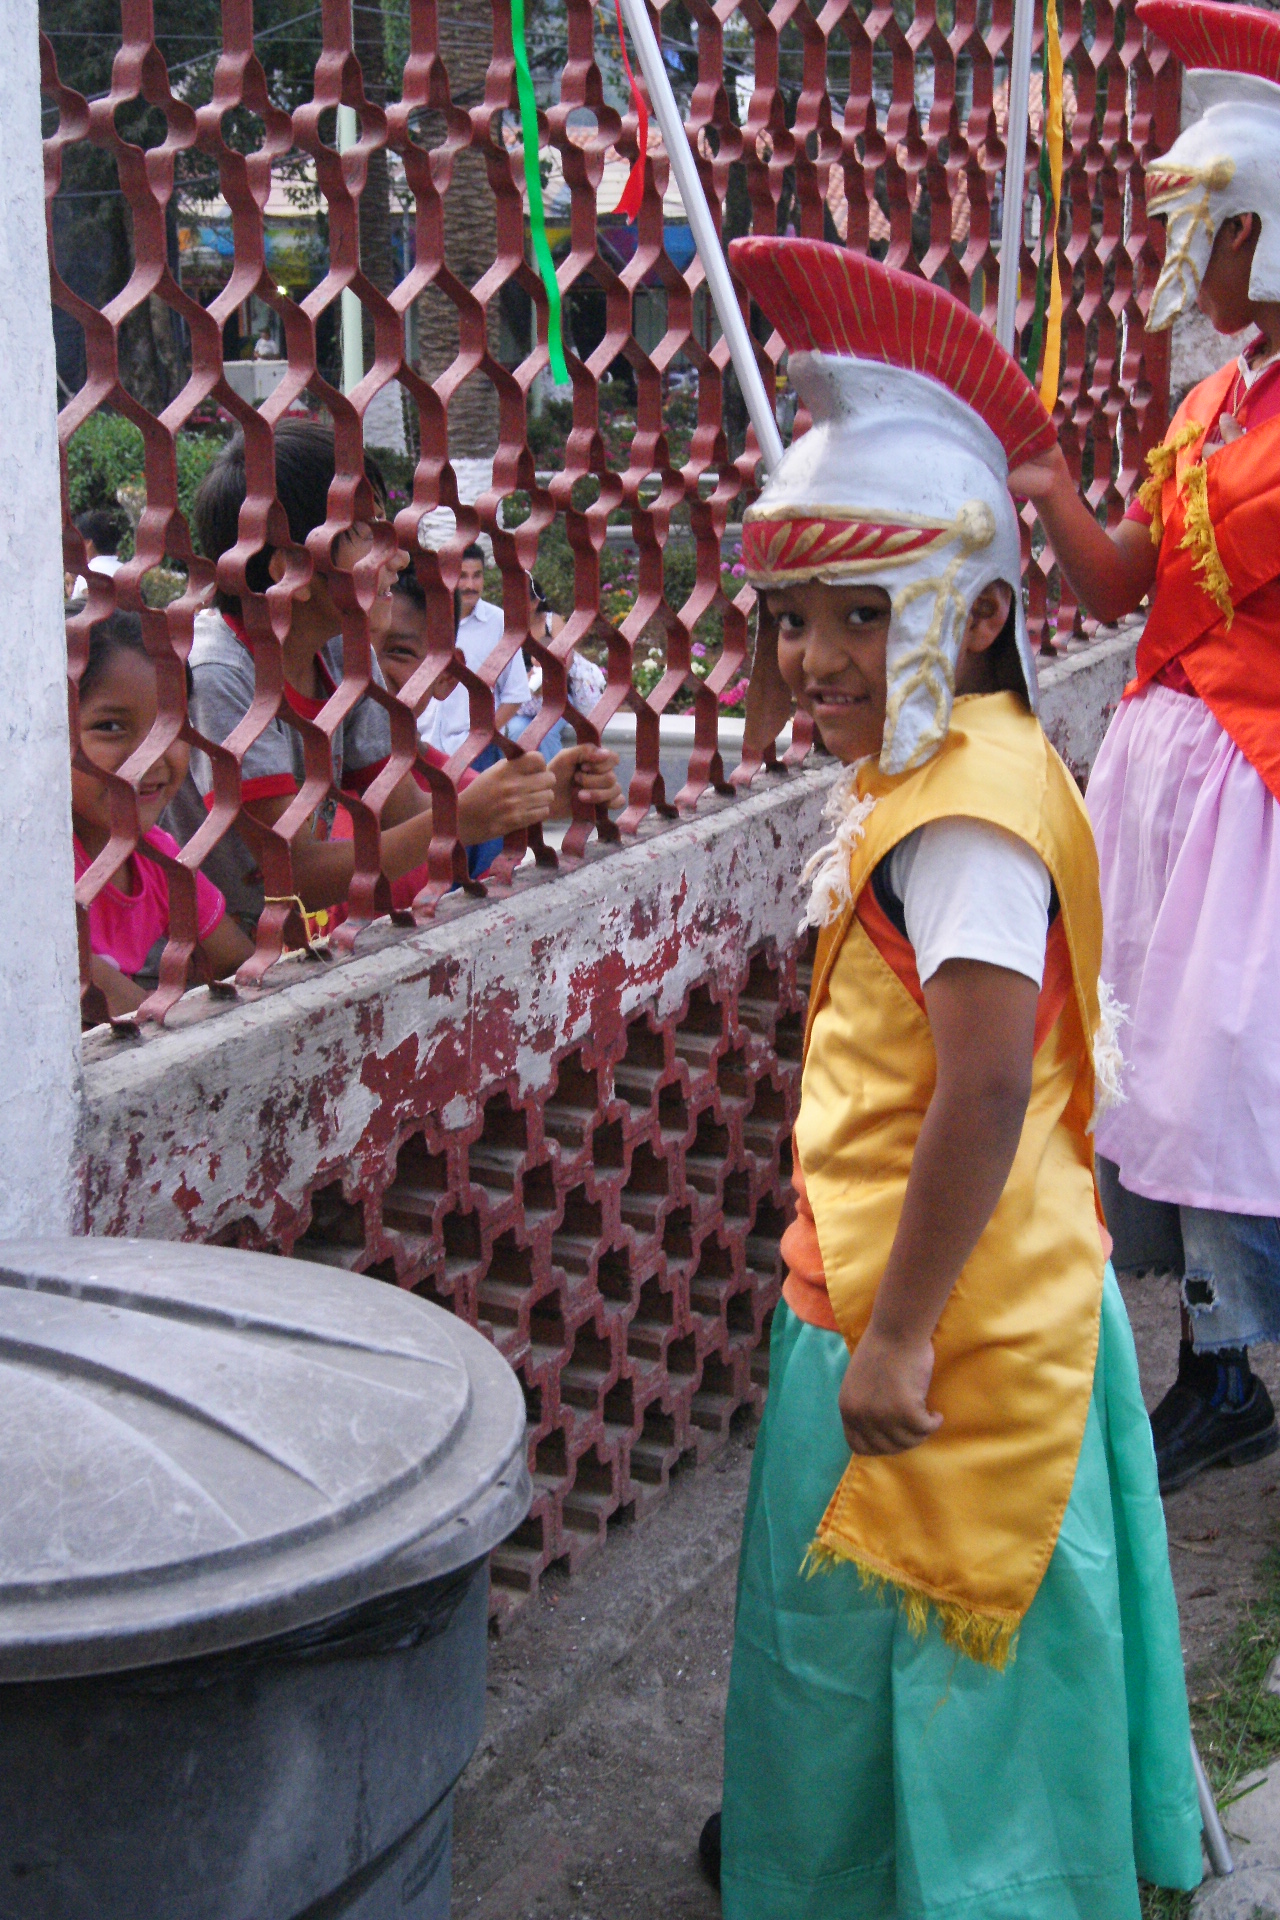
x=405 y=801
x=983 y=1024
x=119 y=991
x=521 y=792
x=226 y=948
x=1109 y=571
x=322 y=869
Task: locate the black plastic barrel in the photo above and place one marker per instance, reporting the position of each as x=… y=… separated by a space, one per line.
x=243 y=1584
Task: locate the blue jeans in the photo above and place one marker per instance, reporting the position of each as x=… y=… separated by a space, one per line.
x=551 y=743
x=482 y=856
x=1228 y=1263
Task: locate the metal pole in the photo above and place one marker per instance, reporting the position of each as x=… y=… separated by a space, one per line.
x=352 y=318
x=706 y=239
x=1015 y=164
x=1215 y=1840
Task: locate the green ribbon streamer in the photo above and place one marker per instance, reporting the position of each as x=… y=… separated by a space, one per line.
x=537 y=212
x=1035 y=340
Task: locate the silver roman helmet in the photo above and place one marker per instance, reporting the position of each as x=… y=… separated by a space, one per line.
x=901 y=482
x=1228 y=162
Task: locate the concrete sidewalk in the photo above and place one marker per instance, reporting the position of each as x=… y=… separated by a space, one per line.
x=1252 y=1821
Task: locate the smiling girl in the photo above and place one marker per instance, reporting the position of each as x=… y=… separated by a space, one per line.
x=129 y=917
x=975 y=1710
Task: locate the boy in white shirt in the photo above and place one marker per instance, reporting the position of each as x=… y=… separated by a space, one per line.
x=446 y=722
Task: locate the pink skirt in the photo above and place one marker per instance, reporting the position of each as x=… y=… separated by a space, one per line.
x=1189 y=845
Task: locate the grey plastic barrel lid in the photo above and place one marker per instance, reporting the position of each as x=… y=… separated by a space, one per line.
x=201 y=1448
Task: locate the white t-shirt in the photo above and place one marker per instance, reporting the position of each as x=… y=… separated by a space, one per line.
x=971 y=891
x=108 y=563
x=445 y=724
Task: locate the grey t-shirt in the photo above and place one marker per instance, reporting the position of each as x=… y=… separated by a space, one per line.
x=223 y=676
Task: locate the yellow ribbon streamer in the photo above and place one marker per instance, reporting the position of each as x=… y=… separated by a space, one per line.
x=1053 y=139
x=315 y=926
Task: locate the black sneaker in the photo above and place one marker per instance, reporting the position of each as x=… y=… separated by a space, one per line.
x=709 y=1850
x=1196 y=1384
x=1195 y=1427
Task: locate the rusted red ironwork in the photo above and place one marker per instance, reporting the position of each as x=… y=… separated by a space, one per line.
x=876 y=124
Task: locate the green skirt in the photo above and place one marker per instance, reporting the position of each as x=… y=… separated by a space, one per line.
x=869 y=1774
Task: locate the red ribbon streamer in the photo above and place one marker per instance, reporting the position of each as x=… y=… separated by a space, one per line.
x=633 y=192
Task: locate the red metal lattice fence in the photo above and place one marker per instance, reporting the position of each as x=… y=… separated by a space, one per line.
x=877 y=124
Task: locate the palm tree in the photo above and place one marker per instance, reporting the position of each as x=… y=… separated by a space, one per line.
x=470 y=232
x=368 y=41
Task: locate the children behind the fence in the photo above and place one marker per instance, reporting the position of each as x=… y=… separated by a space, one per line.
x=129 y=919
x=400 y=637
x=273 y=763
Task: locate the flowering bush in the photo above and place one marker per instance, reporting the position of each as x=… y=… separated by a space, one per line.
x=620 y=563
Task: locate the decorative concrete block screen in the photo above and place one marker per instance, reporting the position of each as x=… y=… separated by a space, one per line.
x=596 y=1172
x=565 y=1116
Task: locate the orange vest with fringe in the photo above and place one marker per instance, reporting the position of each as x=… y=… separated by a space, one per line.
x=963 y=1526
x=1216 y=604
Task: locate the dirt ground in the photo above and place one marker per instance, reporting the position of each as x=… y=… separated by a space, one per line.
x=1223 y=1525
x=601 y=1822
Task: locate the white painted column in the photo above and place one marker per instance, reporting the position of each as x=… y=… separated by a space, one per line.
x=40 y=1085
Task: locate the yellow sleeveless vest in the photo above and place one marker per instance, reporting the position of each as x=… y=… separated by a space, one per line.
x=964 y=1524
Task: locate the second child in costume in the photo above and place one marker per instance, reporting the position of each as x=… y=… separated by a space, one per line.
x=1185 y=795
x=957 y=1681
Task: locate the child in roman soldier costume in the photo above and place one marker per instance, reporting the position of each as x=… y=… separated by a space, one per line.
x=1185 y=796
x=957 y=1682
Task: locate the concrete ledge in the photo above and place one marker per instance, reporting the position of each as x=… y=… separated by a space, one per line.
x=235 y=1110
x=237 y=1115
x=1081 y=690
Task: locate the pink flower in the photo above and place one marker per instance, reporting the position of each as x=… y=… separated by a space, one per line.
x=731 y=695
x=738 y=570
x=698 y=651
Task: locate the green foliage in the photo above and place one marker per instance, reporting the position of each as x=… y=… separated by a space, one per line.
x=196 y=453
x=103 y=455
x=619 y=588
x=1235 y=1720
x=106 y=453
x=1162 y=1903
x=397 y=471
x=549 y=430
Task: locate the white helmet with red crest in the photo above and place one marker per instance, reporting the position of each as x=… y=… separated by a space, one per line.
x=901 y=482
x=1228 y=162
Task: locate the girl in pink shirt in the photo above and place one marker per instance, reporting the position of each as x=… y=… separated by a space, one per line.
x=129 y=917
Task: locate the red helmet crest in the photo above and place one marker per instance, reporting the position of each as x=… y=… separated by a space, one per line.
x=825 y=299
x=1223 y=38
